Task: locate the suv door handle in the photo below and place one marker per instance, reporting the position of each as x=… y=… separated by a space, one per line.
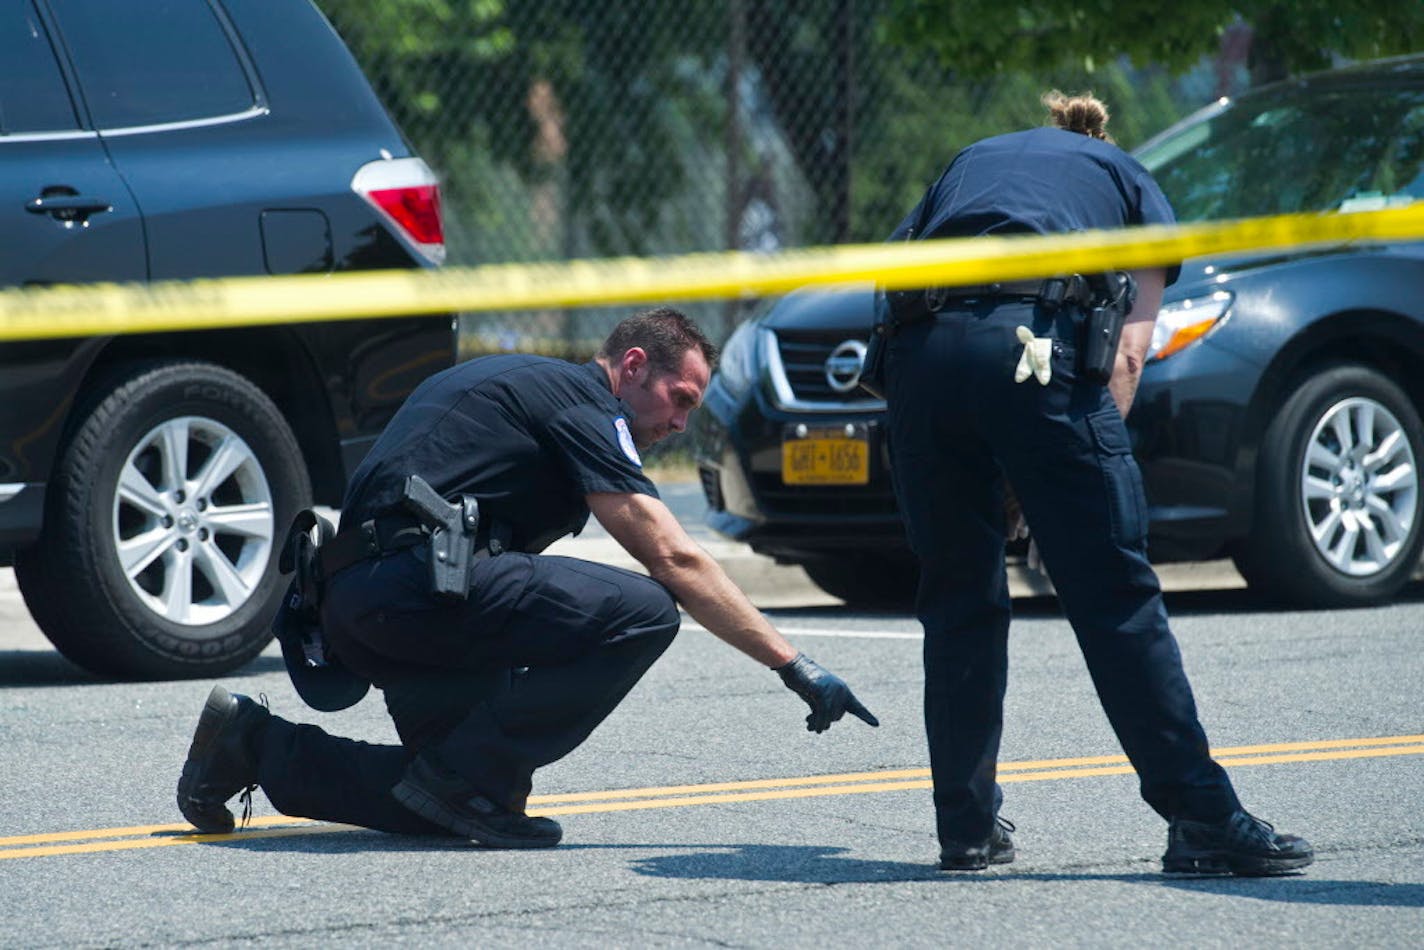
x=68 y=207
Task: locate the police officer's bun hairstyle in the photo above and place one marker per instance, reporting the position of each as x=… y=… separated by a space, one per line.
x=1083 y=114
x=664 y=334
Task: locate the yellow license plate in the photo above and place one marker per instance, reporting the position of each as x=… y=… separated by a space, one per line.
x=825 y=460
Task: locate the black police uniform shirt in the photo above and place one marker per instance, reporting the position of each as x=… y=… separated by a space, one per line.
x=528 y=436
x=1038 y=181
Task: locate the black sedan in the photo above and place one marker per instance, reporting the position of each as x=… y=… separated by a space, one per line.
x=1278 y=419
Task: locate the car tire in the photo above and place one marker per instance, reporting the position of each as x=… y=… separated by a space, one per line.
x=887 y=582
x=1338 y=518
x=163 y=525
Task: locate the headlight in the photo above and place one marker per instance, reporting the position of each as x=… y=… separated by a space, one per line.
x=739 y=366
x=1183 y=322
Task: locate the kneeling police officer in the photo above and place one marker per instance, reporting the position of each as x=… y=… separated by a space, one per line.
x=493 y=658
x=1027 y=382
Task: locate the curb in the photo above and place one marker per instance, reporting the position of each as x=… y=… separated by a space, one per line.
x=768 y=584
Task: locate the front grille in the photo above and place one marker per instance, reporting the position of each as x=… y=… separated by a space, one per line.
x=803 y=357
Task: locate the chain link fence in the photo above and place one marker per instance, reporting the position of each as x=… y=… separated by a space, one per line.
x=592 y=128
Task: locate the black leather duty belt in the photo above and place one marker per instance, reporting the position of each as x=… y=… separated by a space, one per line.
x=914 y=306
x=396 y=531
x=1005 y=288
x=373 y=538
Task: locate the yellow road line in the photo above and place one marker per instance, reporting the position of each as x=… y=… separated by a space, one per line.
x=802 y=788
x=717 y=793
x=180 y=828
x=304 y=827
x=92 y=309
x=1004 y=767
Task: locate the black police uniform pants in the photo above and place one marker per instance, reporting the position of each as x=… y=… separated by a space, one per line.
x=492 y=687
x=958 y=425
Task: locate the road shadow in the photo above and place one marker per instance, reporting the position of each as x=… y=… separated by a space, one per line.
x=809 y=864
x=827 y=865
x=321 y=839
x=50 y=668
x=42 y=668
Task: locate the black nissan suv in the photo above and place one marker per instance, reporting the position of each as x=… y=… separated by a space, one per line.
x=146 y=479
x=1278 y=419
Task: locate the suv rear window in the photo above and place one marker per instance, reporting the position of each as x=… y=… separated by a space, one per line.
x=33 y=97
x=190 y=69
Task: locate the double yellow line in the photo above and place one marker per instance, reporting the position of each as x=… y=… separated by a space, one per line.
x=718 y=793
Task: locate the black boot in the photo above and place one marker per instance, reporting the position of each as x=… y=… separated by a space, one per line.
x=1240 y=844
x=222 y=760
x=997 y=849
x=441 y=796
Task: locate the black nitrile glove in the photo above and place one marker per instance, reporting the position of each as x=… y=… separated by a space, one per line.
x=826 y=693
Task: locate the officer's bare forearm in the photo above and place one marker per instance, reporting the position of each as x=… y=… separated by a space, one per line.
x=648 y=531
x=1132 y=350
x=1127 y=373
x=1136 y=337
x=700 y=585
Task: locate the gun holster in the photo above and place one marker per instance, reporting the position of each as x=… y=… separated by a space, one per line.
x=453 y=527
x=1113 y=295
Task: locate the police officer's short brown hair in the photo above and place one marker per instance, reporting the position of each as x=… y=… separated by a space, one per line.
x=664 y=334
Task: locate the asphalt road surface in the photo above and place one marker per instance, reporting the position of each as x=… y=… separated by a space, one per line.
x=702 y=813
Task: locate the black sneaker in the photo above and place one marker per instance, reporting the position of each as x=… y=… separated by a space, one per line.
x=222 y=760
x=440 y=796
x=1241 y=844
x=998 y=849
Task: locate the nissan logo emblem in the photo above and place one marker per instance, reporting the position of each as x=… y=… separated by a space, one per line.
x=843 y=366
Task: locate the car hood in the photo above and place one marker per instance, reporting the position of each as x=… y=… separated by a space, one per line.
x=1199 y=270
x=830 y=308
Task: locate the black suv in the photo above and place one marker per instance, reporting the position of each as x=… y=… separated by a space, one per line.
x=146 y=480
x=1278 y=419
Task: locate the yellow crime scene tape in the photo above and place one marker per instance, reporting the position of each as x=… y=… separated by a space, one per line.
x=99 y=309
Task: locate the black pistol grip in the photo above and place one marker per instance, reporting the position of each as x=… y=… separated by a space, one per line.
x=426 y=504
x=451 y=547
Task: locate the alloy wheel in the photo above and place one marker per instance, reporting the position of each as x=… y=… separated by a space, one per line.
x=193 y=520
x=1359 y=487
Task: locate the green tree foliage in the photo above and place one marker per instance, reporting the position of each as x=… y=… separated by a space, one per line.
x=984 y=37
x=932 y=113
x=583 y=96
x=567 y=128
x=880 y=117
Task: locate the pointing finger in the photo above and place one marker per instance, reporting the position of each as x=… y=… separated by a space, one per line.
x=857 y=709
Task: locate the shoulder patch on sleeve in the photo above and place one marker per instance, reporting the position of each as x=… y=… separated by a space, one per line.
x=625 y=441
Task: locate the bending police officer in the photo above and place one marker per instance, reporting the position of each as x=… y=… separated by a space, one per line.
x=993 y=383
x=487 y=687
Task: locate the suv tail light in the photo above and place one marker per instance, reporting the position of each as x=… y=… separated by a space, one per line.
x=406 y=194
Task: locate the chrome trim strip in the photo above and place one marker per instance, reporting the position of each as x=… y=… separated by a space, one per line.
x=784 y=398
x=48 y=136
x=10 y=490
x=243 y=116
x=253 y=113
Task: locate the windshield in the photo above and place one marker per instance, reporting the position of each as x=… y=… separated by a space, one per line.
x=1300 y=149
